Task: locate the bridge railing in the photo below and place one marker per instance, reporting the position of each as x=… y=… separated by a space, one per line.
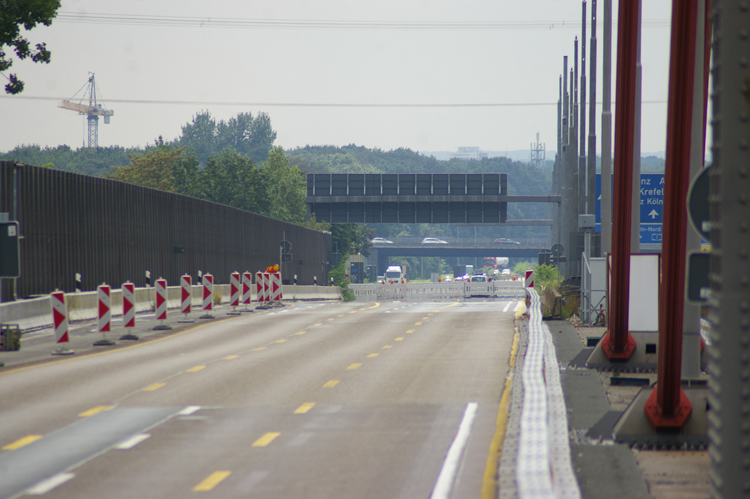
x=469 y=242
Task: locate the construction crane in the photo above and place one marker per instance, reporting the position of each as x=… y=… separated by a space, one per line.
x=92 y=110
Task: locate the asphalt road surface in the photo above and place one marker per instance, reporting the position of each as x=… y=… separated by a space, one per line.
x=317 y=400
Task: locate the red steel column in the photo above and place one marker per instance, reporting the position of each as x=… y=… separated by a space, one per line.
x=667 y=406
x=618 y=344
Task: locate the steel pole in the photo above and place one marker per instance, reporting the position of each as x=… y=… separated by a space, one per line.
x=667 y=406
x=691 y=337
x=635 y=219
x=582 y=178
x=591 y=175
x=606 y=183
x=618 y=344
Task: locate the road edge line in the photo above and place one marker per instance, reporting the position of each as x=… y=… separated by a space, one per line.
x=489 y=482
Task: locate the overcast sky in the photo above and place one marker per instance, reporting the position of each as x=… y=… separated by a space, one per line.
x=491 y=52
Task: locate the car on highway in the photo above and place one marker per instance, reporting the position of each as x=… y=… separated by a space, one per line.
x=433 y=240
x=506 y=271
x=380 y=240
x=505 y=240
x=479 y=278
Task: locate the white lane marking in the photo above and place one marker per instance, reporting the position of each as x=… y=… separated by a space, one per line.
x=453 y=459
x=132 y=441
x=507 y=306
x=187 y=411
x=50 y=483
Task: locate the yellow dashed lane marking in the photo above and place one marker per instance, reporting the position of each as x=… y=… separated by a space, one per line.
x=22 y=441
x=258 y=349
x=300 y=333
x=96 y=410
x=353 y=312
x=409 y=331
x=429 y=314
x=373 y=355
x=354 y=366
x=331 y=383
x=330 y=319
x=280 y=341
x=195 y=369
x=400 y=338
x=377 y=304
x=425 y=318
x=318 y=324
x=212 y=481
x=155 y=386
x=417 y=323
x=340 y=315
x=304 y=408
x=387 y=346
x=266 y=439
x=231 y=357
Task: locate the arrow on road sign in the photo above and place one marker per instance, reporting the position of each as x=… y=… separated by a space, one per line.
x=653 y=214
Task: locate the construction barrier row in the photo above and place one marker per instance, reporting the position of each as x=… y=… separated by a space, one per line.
x=35 y=313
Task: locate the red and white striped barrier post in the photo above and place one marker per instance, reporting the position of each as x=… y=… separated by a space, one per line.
x=104 y=297
x=275 y=288
x=529 y=281
x=60 y=319
x=208 y=296
x=128 y=310
x=259 y=286
x=247 y=290
x=161 y=305
x=234 y=292
x=186 y=298
x=266 y=287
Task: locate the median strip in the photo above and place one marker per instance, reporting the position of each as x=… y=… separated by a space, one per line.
x=304 y=408
x=96 y=410
x=22 y=442
x=155 y=386
x=266 y=439
x=211 y=481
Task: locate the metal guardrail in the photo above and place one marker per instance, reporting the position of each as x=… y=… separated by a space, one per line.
x=432 y=290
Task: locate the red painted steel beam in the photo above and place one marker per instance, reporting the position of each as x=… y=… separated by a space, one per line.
x=618 y=344
x=667 y=406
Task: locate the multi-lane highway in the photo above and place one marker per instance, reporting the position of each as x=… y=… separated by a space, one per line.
x=317 y=400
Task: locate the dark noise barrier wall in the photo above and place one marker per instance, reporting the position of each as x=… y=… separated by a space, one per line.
x=112 y=232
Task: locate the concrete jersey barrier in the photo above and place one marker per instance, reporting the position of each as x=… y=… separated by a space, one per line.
x=35 y=313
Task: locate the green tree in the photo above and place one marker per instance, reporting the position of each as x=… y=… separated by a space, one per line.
x=13 y=15
x=232 y=179
x=285 y=187
x=351 y=238
x=252 y=137
x=164 y=169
